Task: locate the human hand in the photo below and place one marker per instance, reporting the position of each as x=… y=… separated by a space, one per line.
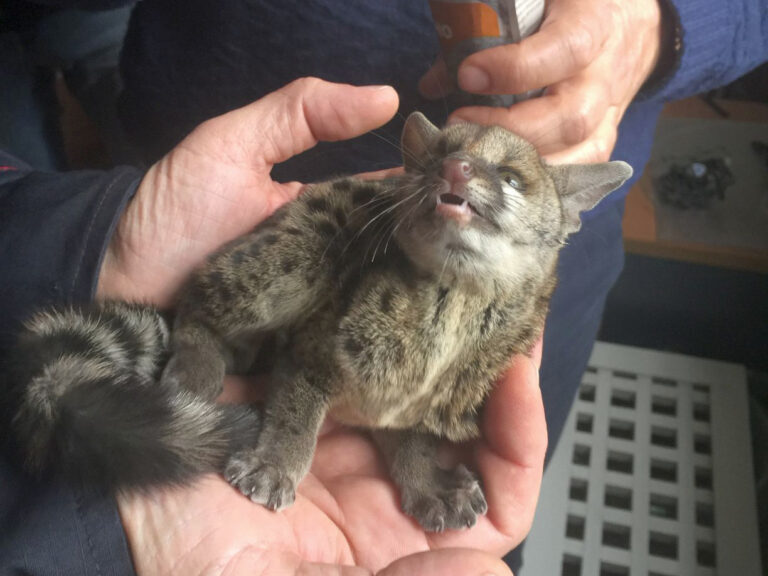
x=215 y=185
x=346 y=519
x=591 y=55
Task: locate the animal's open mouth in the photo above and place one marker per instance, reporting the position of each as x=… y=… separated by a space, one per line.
x=450 y=203
x=450 y=198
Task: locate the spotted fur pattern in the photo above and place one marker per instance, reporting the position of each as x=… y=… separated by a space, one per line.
x=397 y=304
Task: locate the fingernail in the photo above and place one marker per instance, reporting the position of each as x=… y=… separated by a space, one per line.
x=473 y=79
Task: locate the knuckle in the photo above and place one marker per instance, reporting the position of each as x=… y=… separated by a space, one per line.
x=577 y=126
x=581 y=43
x=518 y=76
x=305 y=84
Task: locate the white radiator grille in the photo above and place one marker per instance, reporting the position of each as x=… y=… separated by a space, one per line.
x=653 y=473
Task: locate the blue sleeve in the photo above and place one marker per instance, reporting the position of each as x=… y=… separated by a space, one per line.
x=56 y=528
x=717 y=42
x=54 y=229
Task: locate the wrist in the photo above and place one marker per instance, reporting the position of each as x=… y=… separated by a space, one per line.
x=126 y=271
x=669 y=51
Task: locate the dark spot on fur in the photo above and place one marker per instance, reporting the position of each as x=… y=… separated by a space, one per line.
x=265 y=225
x=216 y=277
x=343 y=185
x=487 y=315
x=317 y=204
x=442 y=146
x=270 y=239
x=254 y=250
x=326 y=228
x=224 y=292
x=528 y=286
x=194 y=292
x=386 y=301
x=341 y=217
x=242 y=286
x=353 y=346
x=440 y=304
x=395 y=349
x=293 y=231
x=270 y=222
x=295 y=430
x=288 y=265
x=363 y=195
x=238 y=258
x=526 y=334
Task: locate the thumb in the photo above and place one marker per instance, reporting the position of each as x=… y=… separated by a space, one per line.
x=558 y=50
x=298 y=116
x=448 y=562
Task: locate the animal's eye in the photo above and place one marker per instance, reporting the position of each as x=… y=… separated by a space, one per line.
x=512 y=179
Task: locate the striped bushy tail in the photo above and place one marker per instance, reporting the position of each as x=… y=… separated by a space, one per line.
x=85 y=399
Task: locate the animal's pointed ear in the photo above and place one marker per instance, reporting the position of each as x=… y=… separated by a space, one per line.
x=582 y=186
x=418 y=135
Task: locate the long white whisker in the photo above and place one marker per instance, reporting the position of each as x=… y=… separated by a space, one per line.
x=445 y=264
x=405 y=218
x=412 y=156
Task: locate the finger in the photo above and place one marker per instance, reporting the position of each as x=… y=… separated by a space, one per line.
x=511 y=458
x=298 y=116
x=448 y=562
x=569 y=39
x=558 y=120
x=597 y=148
x=436 y=82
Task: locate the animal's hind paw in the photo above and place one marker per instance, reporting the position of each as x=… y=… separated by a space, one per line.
x=452 y=501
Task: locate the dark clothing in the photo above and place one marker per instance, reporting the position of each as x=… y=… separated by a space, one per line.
x=55 y=229
x=188 y=60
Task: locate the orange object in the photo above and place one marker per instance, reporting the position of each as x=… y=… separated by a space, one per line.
x=459 y=21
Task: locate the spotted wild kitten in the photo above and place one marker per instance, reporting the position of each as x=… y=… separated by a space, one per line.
x=396 y=304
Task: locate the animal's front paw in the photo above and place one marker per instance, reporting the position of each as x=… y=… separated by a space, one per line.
x=263 y=482
x=452 y=501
